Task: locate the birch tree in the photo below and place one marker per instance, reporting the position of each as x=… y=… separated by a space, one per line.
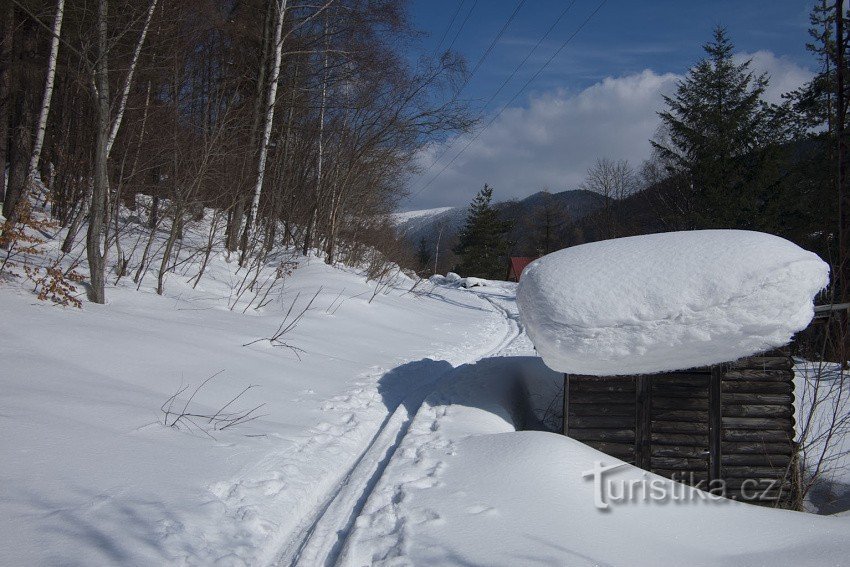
x=268 y=123
x=48 y=94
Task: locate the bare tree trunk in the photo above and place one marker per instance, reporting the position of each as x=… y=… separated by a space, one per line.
x=97 y=256
x=48 y=94
x=8 y=18
x=128 y=81
x=269 y=122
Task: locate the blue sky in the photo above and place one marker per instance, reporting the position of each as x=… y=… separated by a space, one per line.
x=625 y=57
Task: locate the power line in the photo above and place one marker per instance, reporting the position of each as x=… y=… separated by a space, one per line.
x=463 y=23
x=478 y=65
x=493 y=43
x=519 y=92
x=507 y=80
x=451 y=23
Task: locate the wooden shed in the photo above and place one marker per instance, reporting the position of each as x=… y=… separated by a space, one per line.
x=732 y=422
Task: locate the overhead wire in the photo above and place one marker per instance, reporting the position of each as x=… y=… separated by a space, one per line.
x=520 y=91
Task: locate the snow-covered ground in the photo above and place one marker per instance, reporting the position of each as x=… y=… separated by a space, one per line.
x=397 y=434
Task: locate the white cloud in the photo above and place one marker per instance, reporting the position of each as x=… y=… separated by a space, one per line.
x=555 y=137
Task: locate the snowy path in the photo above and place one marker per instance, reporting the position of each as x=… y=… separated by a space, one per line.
x=321 y=538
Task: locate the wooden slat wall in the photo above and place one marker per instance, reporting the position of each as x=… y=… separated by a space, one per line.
x=758 y=427
x=602 y=414
x=680 y=427
x=670 y=424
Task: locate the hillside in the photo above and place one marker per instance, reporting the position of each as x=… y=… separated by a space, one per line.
x=444 y=223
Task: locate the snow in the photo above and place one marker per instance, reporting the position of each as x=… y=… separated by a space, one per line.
x=395 y=439
x=466 y=488
x=401 y=218
x=89 y=474
x=668 y=301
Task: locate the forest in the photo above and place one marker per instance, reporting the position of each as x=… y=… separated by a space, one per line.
x=292 y=121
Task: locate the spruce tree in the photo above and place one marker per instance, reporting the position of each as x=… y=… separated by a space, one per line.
x=482 y=243
x=721 y=143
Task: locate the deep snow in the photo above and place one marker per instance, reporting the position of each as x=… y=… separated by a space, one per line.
x=668 y=301
x=393 y=440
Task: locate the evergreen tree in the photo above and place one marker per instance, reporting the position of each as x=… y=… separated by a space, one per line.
x=721 y=143
x=482 y=243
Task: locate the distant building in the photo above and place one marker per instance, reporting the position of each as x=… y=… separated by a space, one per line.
x=516 y=265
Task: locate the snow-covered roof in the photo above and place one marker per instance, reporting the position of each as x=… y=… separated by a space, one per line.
x=668 y=301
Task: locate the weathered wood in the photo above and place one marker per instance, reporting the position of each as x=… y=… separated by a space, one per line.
x=684 y=427
x=679 y=439
x=680 y=415
x=758 y=484
x=764 y=363
x=603 y=409
x=756 y=460
x=765 y=411
x=602 y=421
x=565 y=425
x=759 y=387
x=679 y=463
x=714 y=423
x=754 y=472
x=580 y=396
x=613 y=435
x=765 y=423
x=757 y=435
x=690 y=403
x=757 y=448
x=751 y=374
x=685 y=451
x=585 y=385
x=757 y=399
x=643 y=424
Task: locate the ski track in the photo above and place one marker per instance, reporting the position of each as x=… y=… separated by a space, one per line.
x=296 y=506
x=320 y=539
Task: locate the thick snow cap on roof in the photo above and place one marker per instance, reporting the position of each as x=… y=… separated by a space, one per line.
x=668 y=301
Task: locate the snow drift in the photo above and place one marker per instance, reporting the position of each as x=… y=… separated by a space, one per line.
x=669 y=301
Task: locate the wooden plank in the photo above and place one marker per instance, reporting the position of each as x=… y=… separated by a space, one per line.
x=756 y=460
x=689 y=403
x=757 y=448
x=758 y=435
x=578 y=396
x=565 y=408
x=613 y=435
x=764 y=363
x=714 y=423
x=761 y=387
x=680 y=427
x=643 y=423
x=602 y=421
x=757 y=399
x=601 y=385
x=684 y=451
x=757 y=423
x=755 y=375
x=766 y=411
x=679 y=439
x=754 y=472
x=679 y=463
x=679 y=415
x=602 y=409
